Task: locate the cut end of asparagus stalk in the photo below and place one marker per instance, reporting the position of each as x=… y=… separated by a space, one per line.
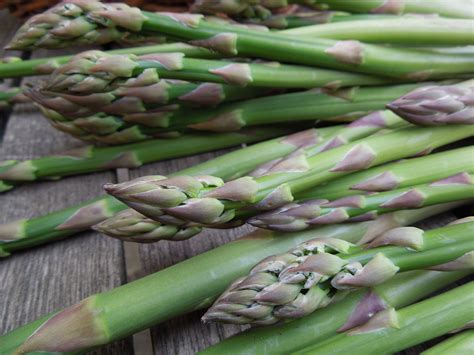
x=132 y=226
x=12 y=231
x=19 y=171
x=437 y=105
x=74 y=328
x=4 y=186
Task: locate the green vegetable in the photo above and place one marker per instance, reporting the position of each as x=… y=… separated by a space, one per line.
x=20 y=68
x=65 y=23
x=455 y=8
x=307 y=214
x=208 y=201
x=437 y=105
x=399 y=30
x=100 y=319
x=355 y=308
x=391 y=331
x=90 y=159
x=306 y=278
x=27 y=233
x=399 y=174
x=462 y=343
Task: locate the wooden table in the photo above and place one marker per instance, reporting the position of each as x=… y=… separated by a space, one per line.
x=38 y=281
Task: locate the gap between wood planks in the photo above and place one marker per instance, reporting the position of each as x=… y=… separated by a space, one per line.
x=142 y=342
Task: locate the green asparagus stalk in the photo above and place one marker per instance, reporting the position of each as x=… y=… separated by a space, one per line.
x=391 y=331
x=90 y=159
x=304 y=215
x=300 y=18
x=69 y=17
x=27 y=233
x=455 y=9
x=99 y=319
x=241 y=8
x=346 y=55
x=42 y=66
x=131 y=226
x=296 y=283
x=436 y=105
x=404 y=30
x=11 y=96
x=138 y=124
x=211 y=202
x=292 y=17
x=356 y=308
x=374 y=123
x=102 y=69
x=397 y=175
x=462 y=343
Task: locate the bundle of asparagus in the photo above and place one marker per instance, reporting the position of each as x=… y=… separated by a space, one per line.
x=207 y=201
x=98 y=320
x=296 y=283
x=258 y=9
x=78 y=21
x=27 y=233
x=337 y=255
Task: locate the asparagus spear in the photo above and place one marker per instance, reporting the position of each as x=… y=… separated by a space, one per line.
x=89 y=158
x=436 y=105
x=374 y=123
x=404 y=30
x=345 y=55
x=391 y=331
x=455 y=8
x=27 y=233
x=132 y=226
x=397 y=175
x=210 y=202
x=296 y=19
x=41 y=66
x=241 y=8
x=462 y=343
x=300 y=106
x=98 y=320
x=304 y=215
x=129 y=225
x=291 y=17
x=11 y=96
x=101 y=70
x=296 y=283
x=355 y=308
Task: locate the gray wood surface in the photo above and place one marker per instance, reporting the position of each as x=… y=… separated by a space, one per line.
x=41 y=280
